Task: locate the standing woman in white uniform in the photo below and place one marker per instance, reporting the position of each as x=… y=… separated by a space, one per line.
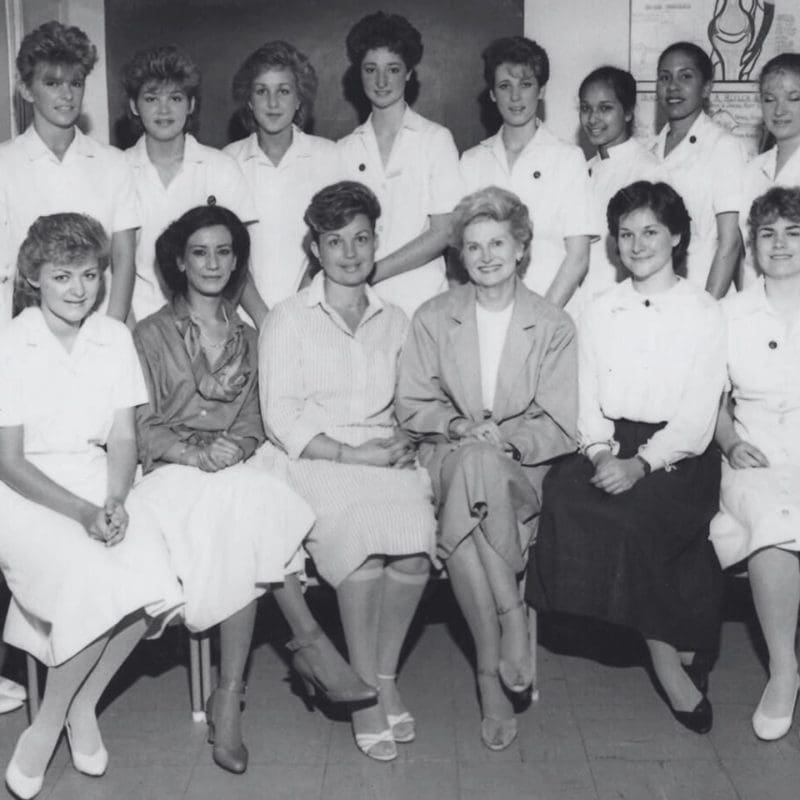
x=284 y=166
x=409 y=162
x=705 y=165
x=779 y=84
x=548 y=175
x=84 y=560
x=54 y=167
x=607 y=102
x=172 y=171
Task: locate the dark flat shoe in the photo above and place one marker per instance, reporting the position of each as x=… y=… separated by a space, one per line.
x=699 y=719
x=698 y=671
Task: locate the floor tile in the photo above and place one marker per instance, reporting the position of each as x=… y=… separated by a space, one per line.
x=553 y=781
x=274 y=781
x=365 y=780
x=757 y=779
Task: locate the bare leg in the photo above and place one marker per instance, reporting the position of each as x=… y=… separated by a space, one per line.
x=403 y=584
x=775 y=581
x=360 y=596
x=682 y=693
x=82 y=712
x=476 y=601
x=63 y=682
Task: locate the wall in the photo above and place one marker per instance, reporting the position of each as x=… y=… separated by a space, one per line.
x=219 y=35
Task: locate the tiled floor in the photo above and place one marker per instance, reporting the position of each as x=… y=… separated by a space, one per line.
x=598 y=731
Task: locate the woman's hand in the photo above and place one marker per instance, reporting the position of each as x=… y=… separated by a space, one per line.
x=116 y=521
x=377 y=452
x=408 y=455
x=95 y=522
x=218 y=454
x=616 y=475
x=742 y=455
x=483 y=431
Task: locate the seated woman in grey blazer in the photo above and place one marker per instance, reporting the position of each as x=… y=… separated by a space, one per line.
x=488 y=386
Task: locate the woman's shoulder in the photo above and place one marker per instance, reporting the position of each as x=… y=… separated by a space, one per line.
x=154 y=326
x=742 y=304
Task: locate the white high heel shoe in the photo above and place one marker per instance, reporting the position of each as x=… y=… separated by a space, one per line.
x=22 y=785
x=771 y=728
x=94 y=765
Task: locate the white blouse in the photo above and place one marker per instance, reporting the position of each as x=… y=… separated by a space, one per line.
x=492 y=330
x=651 y=358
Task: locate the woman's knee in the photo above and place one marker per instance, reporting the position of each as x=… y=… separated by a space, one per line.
x=417 y=564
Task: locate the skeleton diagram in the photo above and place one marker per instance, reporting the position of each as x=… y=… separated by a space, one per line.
x=737 y=31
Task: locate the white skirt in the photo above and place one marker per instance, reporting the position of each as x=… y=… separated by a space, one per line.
x=759 y=507
x=69 y=589
x=229 y=533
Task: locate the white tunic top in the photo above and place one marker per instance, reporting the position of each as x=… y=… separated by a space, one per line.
x=707 y=170
x=760 y=175
x=205 y=173
x=626 y=163
x=420 y=179
x=550 y=177
x=92 y=178
x=651 y=358
x=278 y=257
x=492 y=330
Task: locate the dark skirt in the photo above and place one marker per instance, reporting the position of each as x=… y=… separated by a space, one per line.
x=641 y=558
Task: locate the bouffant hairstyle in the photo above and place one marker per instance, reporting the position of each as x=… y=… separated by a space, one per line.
x=171 y=246
x=515 y=50
x=276 y=55
x=622 y=83
x=163 y=65
x=63 y=239
x=778 y=202
x=391 y=31
x=501 y=205
x=54 y=43
x=337 y=205
x=701 y=59
x=667 y=206
x=783 y=62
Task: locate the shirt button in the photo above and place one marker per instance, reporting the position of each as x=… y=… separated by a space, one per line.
x=211 y=200
x=773 y=345
x=362 y=167
x=647 y=303
x=537 y=174
x=692 y=139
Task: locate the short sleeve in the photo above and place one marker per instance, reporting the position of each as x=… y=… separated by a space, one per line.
x=469 y=170
x=129 y=388
x=126 y=209
x=576 y=209
x=445 y=185
x=11 y=401
x=227 y=183
x=728 y=164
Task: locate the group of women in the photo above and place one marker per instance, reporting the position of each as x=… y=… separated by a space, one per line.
x=380 y=446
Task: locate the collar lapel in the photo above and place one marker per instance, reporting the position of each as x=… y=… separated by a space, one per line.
x=463 y=338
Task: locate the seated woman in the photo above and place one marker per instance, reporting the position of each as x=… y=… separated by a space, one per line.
x=83 y=558
x=759 y=435
x=328 y=361
x=624 y=527
x=231 y=528
x=488 y=385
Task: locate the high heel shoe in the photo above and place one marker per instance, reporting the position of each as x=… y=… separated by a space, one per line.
x=94 y=765
x=22 y=785
x=519 y=677
x=699 y=719
x=403 y=725
x=322 y=669
x=368 y=743
x=771 y=728
x=233 y=759
x=496 y=734
x=698 y=671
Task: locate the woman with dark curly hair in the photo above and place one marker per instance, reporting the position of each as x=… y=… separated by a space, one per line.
x=548 y=175
x=53 y=167
x=231 y=527
x=275 y=89
x=172 y=171
x=623 y=535
x=409 y=162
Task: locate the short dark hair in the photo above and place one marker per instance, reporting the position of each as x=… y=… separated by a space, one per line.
x=622 y=83
x=54 y=43
x=337 y=205
x=515 y=50
x=162 y=65
x=498 y=204
x=667 y=206
x=276 y=55
x=777 y=202
x=392 y=31
x=64 y=239
x=783 y=62
x=171 y=246
x=701 y=59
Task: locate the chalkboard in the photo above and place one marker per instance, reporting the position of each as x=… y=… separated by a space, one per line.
x=219 y=34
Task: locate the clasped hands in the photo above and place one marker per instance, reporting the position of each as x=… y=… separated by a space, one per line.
x=615 y=475
x=107 y=524
x=396 y=451
x=221 y=452
x=486 y=430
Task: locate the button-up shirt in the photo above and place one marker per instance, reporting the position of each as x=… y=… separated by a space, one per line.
x=318 y=376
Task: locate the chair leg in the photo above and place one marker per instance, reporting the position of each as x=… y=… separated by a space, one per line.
x=205 y=666
x=533 y=638
x=195 y=677
x=32 y=669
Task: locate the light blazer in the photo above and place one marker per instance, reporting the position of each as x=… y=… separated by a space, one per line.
x=536 y=399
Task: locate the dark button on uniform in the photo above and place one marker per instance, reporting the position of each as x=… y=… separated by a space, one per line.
x=362 y=167
x=211 y=201
x=647 y=303
x=692 y=139
x=773 y=345
x=537 y=174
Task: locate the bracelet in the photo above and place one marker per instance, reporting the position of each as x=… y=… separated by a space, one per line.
x=645 y=464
